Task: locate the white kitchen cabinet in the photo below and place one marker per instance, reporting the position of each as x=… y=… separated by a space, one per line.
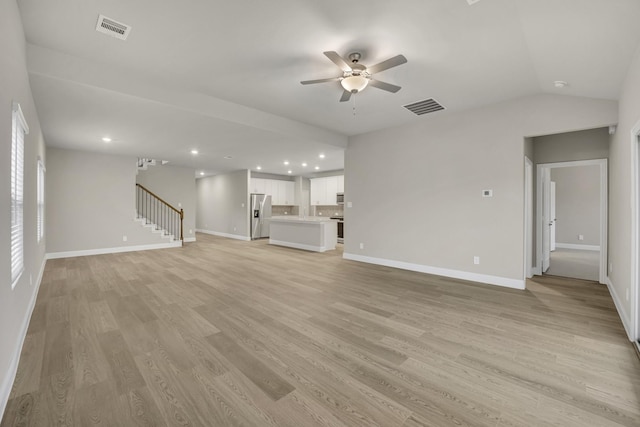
x=281 y=192
x=318 y=191
x=257 y=185
x=285 y=193
x=271 y=189
x=332 y=190
x=324 y=190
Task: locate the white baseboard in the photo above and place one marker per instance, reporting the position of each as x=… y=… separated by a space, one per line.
x=621 y=310
x=229 y=236
x=300 y=246
x=7 y=383
x=579 y=247
x=456 y=274
x=189 y=239
x=536 y=271
x=102 y=251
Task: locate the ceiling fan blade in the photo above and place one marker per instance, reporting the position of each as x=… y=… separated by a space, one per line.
x=311 y=82
x=337 y=59
x=346 y=95
x=389 y=63
x=384 y=86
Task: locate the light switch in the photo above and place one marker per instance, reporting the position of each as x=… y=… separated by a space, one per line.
x=487 y=193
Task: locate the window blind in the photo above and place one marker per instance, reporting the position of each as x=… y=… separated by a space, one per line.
x=40 y=201
x=19 y=129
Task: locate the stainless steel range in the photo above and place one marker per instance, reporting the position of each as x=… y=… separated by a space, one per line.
x=340 y=228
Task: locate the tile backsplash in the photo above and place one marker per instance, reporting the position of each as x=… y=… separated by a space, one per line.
x=284 y=210
x=334 y=210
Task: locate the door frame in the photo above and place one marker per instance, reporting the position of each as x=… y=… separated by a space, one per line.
x=635 y=233
x=528 y=218
x=541 y=169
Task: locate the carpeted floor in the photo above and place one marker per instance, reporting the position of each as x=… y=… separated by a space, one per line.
x=574 y=263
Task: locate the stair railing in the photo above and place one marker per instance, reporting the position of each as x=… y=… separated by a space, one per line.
x=156 y=211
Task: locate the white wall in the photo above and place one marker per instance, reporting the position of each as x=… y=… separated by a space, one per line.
x=577 y=204
x=91 y=203
x=416 y=189
x=16 y=305
x=177 y=186
x=620 y=192
x=223 y=204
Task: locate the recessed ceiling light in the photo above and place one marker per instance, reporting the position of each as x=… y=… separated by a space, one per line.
x=259 y=167
x=194 y=151
x=560 y=84
x=201 y=173
x=228 y=157
x=321 y=156
x=286 y=162
x=317 y=168
x=289 y=171
x=106 y=139
x=304 y=165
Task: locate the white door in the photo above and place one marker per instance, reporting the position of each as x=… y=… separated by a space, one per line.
x=552 y=216
x=546 y=216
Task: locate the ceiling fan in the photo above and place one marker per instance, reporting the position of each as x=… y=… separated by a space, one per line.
x=355 y=76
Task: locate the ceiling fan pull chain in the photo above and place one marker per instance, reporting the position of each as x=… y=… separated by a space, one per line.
x=354 y=105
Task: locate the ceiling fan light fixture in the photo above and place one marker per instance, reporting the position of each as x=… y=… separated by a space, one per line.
x=354 y=83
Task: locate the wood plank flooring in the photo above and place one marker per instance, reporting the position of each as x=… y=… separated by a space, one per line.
x=232 y=333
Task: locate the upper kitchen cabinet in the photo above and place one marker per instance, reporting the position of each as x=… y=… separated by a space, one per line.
x=324 y=190
x=281 y=192
x=257 y=185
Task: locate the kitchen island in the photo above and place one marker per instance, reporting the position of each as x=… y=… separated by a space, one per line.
x=314 y=233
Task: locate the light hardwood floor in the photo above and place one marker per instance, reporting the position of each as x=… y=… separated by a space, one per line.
x=226 y=333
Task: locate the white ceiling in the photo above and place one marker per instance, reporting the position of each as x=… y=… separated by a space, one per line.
x=223 y=76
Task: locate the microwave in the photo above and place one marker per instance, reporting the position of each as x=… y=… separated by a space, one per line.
x=340 y=199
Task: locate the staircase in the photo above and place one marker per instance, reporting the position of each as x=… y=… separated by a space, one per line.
x=160 y=216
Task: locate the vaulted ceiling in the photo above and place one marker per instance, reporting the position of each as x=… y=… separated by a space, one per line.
x=223 y=77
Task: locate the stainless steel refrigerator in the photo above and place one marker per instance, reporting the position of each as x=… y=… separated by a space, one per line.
x=260 y=215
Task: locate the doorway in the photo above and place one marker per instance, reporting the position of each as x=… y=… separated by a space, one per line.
x=547 y=224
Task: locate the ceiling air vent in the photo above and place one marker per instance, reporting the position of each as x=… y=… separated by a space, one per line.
x=113 y=28
x=423 y=107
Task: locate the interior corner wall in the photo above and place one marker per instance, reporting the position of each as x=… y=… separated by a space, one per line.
x=416 y=190
x=91 y=203
x=223 y=204
x=16 y=305
x=177 y=186
x=620 y=192
x=577 y=204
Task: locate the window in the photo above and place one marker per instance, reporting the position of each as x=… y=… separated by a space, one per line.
x=40 y=201
x=19 y=129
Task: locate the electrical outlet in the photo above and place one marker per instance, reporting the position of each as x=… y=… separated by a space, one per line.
x=242 y=205
x=179 y=204
x=234 y=228
x=580 y=236
x=349 y=204
x=124 y=238
x=361 y=245
x=476 y=260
